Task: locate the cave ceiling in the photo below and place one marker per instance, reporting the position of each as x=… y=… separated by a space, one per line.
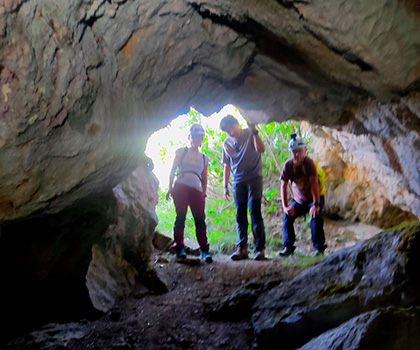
x=84 y=83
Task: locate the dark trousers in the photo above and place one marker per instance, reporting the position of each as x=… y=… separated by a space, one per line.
x=248 y=194
x=317 y=226
x=185 y=196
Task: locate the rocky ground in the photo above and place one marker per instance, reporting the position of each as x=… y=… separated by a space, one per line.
x=190 y=315
x=182 y=318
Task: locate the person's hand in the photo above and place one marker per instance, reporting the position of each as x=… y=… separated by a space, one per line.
x=252 y=126
x=290 y=211
x=169 y=193
x=227 y=194
x=314 y=211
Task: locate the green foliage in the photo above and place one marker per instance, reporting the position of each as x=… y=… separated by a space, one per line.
x=300 y=260
x=276 y=137
x=220 y=213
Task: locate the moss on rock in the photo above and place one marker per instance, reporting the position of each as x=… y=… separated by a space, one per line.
x=334 y=288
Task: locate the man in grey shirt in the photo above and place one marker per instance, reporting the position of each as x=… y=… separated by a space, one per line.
x=242 y=157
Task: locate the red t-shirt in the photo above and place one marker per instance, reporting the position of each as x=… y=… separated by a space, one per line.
x=299 y=177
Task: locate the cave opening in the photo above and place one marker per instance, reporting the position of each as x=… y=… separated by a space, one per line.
x=219 y=212
x=84 y=84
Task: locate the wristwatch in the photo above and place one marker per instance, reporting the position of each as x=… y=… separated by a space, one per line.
x=316 y=204
x=255 y=132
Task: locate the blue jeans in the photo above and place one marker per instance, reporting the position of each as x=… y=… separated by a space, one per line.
x=317 y=226
x=249 y=193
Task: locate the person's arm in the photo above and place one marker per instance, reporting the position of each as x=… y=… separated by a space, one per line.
x=313 y=181
x=288 y=210
x=204 y=179
x=172 y=175
x=226 y=176
x=258 y=143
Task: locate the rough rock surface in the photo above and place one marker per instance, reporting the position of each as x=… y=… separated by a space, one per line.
x=84 y=83
x=372 y=177
x=171 y=321
x=67 y=266
x=117 y=263
x=380 y=329
x=377 y=273
x=198 y=311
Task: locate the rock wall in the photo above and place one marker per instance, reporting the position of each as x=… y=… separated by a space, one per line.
x=66 y=266
x=84 y=83
x=326 y=301
x=372 y=172
x=121 y=259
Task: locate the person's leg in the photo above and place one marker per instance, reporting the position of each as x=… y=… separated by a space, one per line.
x=180 y=197
x=197 y=205
x=240 y=196
x=289 y=236
x=255 y=194
x=317 y=229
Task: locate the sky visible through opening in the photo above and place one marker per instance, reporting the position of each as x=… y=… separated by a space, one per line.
x=175 y=136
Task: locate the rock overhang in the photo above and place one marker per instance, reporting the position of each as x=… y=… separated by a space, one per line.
x=97 y=78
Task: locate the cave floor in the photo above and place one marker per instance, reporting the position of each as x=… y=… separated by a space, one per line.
x=181 y=318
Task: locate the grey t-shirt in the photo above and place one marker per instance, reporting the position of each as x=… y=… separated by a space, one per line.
x=191 y=167
x=244 y=160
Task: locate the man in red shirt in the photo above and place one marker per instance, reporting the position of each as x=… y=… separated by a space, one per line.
x=301 y=171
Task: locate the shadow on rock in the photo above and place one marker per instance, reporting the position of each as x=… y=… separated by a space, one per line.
x=374 y=274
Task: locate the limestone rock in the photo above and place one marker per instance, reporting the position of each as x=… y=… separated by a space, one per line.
x=50 y=337
x=123 y=255
x=162 y=242
x=82 y=260
x=239 y=305
x=372 y=166
x=377 y=273
x=84 y=83
x=380 y=329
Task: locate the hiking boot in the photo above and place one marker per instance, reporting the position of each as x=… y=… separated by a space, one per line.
x=259 y=255
x=286 y=252
x=240 y=253
x=206 y=256
x=180 y=255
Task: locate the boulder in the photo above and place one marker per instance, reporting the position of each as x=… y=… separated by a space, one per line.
x=377 y=273
x=80 y=261
x=382 y=329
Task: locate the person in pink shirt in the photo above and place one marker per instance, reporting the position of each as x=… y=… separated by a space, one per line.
x=190 y=190
x=301 y=172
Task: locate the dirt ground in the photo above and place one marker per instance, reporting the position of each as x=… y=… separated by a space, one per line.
x=184 y=317
x=181 y=318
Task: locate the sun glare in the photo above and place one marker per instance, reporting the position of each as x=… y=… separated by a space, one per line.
x=162 y=145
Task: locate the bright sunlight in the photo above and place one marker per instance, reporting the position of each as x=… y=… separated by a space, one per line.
x=162 y=145
x=220 y=213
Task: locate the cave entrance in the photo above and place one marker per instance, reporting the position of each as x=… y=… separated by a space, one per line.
x=220 y=213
